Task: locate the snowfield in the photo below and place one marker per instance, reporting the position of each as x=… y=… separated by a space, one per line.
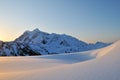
x=101 y=64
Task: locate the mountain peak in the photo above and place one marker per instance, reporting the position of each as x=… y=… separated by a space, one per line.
x=36 y=30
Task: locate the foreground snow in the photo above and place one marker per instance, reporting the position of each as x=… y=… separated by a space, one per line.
x=102 y=64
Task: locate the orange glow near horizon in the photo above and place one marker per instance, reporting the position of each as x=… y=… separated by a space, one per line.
x=5 y=36
x=8 y=35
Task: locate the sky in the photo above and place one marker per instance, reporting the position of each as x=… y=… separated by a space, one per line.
x=87 y=20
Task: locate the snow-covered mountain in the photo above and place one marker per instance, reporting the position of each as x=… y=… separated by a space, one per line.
x=37 y=42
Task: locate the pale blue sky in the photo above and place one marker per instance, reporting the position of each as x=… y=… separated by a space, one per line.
x=88 y=20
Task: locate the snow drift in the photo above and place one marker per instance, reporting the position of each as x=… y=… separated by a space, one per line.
x=101 y=64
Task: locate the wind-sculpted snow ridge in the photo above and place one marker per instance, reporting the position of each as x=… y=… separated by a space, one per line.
x=101 y=64
x=37 y=42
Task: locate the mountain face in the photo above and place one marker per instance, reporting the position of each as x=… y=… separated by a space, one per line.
x=37 y=42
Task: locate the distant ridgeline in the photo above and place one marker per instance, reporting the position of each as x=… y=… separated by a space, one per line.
x=37 y=42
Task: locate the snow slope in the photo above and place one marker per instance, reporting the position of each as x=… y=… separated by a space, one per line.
x=101 y=64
